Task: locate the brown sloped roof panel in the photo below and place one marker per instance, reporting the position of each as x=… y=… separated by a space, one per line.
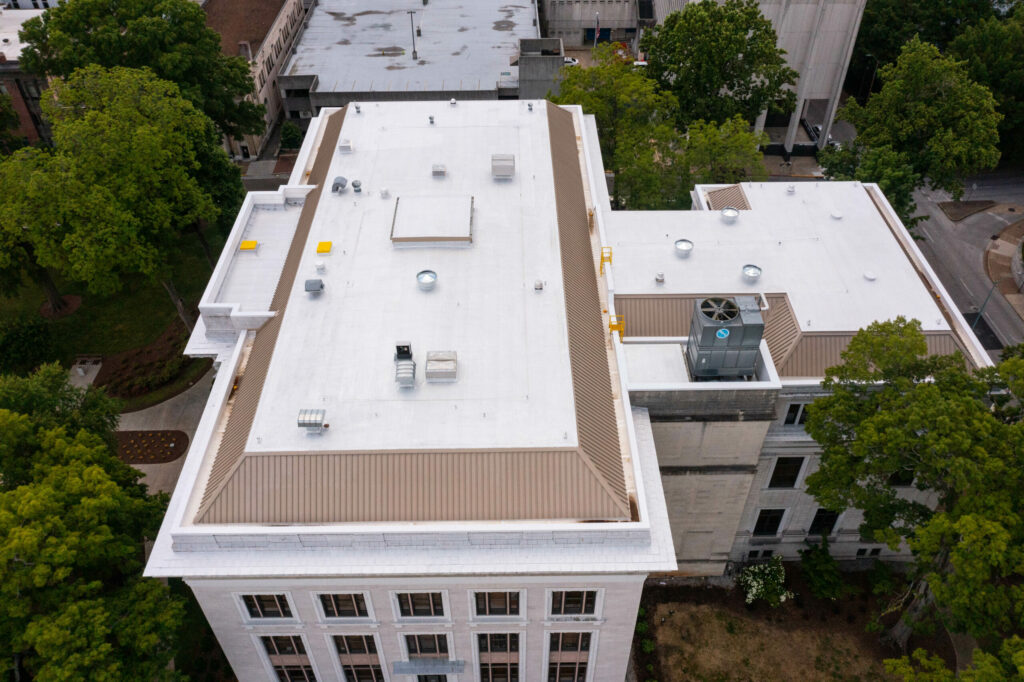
x=817 y=352
x=297 y=488
x=596 y=422
x=728 y=196
x=781 y=330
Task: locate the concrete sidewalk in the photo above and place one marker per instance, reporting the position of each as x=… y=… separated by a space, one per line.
x=181 y=413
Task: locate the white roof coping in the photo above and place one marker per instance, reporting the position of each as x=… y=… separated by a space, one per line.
x=363 y=46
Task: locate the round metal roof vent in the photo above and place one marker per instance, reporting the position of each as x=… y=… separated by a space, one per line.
x=684 y=247
x=751 y=272
x=730 y=214
x=426 y=279
x=837 y=214
x=790 y=189
x=870 y=276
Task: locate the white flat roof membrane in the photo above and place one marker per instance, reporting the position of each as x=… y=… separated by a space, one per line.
x=335 y=350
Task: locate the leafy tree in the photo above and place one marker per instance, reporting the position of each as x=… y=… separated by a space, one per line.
x=24 y=345
x=1006 y=665
x=9 y=141
x=891 y=170
x=993 y=54
x=895 y=413
x=71 y=604
x=26 y=204
x=126 y=146
x=635 y=124
x=888 y=24
x=720 y=60
x=725 y=153
x=930 y=110
x=291 y=136
x=170 y=37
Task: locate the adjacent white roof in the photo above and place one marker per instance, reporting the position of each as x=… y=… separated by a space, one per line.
x=336 y=350
x=10 y=23
x=825 y=245
x=363 y=46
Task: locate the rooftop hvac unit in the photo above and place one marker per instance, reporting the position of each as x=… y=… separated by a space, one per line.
x=314 y=286
x=312 y=420
x=503 y=166
x=405 y=366
x=725 y=336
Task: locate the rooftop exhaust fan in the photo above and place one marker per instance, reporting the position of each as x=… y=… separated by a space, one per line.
x=725 y=338
x=312 y=420
x=405 y=366
x=503 y=166
x=339 y=184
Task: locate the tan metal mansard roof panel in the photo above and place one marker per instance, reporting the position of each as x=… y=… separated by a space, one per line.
x=817 y=352
x=728 y=196
x=411 y=486
x=582 y=483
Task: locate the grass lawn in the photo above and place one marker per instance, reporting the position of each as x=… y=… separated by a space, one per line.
x=133 y=317
x=704 y=634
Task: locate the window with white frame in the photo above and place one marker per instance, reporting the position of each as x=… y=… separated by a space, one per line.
x=351 y=605
x=568 y=655
x=823 y=523
x=796 y=414
x=573 y=602
x=267 y=605
x=359 y=658
x=768 y=522
x=786 y=472
x=427 y=646
x=499 y=657
x=287 y=655
x=497 y=603
x=420 y=604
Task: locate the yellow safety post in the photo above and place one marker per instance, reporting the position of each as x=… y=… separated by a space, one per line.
x=606 y=257
x=617 y=323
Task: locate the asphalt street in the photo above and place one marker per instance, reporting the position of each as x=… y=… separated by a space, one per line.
x=956 y=250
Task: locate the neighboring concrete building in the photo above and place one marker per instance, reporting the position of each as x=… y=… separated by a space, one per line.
x=263 y=32
x=817 y=35
x=29 y=4
x=455 y=392
x=24 y=89
x=419 y=459
x=353 y=50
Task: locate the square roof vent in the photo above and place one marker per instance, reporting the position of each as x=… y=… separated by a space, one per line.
x=439 y=170
x=503 y=166
x=312 y=420
x=345 y=146
x=314 y=286
x=442 y=365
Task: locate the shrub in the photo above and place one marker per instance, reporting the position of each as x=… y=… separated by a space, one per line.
x=24 y=345
x=882 y=580
x=291 y=136
x=642 y=628
x=765 y=581
x=647 y=645
x=822 y=572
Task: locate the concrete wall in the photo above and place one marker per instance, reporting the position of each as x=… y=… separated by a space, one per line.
x=612 y=626
x=570 y=20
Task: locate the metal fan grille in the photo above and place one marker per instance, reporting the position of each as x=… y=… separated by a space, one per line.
x=719 y=309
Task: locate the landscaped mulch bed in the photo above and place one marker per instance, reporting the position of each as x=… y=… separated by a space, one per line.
x=958 y=210
x=709 y=633
x=151 y=447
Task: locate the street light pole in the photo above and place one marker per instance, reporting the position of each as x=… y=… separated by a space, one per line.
x=597 y=26
x=412 y=29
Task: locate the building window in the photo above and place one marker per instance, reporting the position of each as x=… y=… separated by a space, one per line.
x=573 y=603
x=267 y=605
x=358 y=657
x=431 y=678
x=427 y=604
x=499 y=657
x=875 y=551
x=768 y=522
x=295 y=673
x=344 y=605
x=497 y=603
x=862 y=551
x=786 y=472
x=427 y=646
x=567 y=656
x=797 y=414
x=824 y=522
x=355 y=644
x=283 y=645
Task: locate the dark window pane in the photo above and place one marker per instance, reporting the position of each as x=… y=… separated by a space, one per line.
x=786 y=472
x=824 y=522
x=768 y=521
x=793 y=413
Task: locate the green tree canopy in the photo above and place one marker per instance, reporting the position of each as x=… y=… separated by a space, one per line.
x=895 y=414
x=127 y=146
x=888 y=24
x=993 y=54
x=170 y=37
x=71 y=603
x=725 y=153
x=635 y=125
x=720 y=60
x=890 y=169
x=930 y=110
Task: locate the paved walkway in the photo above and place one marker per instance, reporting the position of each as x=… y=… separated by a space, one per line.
x=182 y=413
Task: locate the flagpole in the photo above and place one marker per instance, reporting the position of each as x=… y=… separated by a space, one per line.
x=597 y=27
